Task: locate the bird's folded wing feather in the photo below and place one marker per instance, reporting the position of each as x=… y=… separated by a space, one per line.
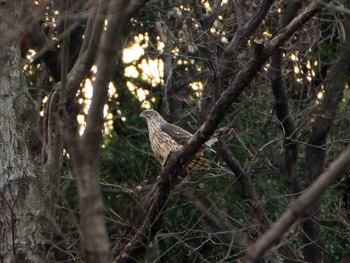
x=178 y=134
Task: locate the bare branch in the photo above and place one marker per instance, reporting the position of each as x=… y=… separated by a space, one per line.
x=228 y=57
x=34 y=37
x=315 y=155
x=298 y=207
x=243 y=34
x=258 y=209
x=289 y=163
x=176 y=163
x=64 y=63
x=84 y=151
x=86 y=60
x=237 y=86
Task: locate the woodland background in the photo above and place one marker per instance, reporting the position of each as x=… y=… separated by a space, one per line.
x=78 y=180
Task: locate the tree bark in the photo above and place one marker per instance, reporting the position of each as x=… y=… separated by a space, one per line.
x=23 y=228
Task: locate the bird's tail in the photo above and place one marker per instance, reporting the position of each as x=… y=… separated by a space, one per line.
x=199 y=163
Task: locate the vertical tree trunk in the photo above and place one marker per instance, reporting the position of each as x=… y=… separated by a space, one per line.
x=290 y=156
x=22 y=230
x=315 y=151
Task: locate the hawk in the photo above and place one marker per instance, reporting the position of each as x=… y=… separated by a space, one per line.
x=166 y=137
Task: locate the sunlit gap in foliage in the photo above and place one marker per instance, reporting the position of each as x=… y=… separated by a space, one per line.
x=197 y=87
x=30 y=57
x=137 y=50
x=87 y=92
x=305 y=72
x=218 y=25
x=85 y=100
x=152 y=70
x=310 y=72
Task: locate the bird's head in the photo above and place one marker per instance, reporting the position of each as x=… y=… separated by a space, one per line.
x=151 y=115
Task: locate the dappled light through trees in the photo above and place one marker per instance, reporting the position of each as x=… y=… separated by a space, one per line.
x=79 y=181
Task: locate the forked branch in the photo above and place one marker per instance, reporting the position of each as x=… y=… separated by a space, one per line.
x=176 y=163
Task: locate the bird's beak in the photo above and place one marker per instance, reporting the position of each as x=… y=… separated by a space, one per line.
x=141 y=115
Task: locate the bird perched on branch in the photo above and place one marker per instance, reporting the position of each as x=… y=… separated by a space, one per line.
x=166 y=137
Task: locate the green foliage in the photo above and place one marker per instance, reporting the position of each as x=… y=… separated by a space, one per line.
x=126 y=161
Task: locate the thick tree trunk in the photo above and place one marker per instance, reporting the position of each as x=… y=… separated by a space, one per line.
x=22 y=228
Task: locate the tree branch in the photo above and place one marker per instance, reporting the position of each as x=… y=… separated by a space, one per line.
x=298 y=207
x=315 y=152
x=238 y=85
x=219 y=224
x=258 y=209
x=290 y=156
x=228 y=57
x=84 y=151
x=34 y=37
x=241 y=37
x=176 y=162
x=84 y=63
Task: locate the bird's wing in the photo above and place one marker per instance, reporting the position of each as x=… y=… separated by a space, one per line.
x=181 y=136
x=178 y=134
